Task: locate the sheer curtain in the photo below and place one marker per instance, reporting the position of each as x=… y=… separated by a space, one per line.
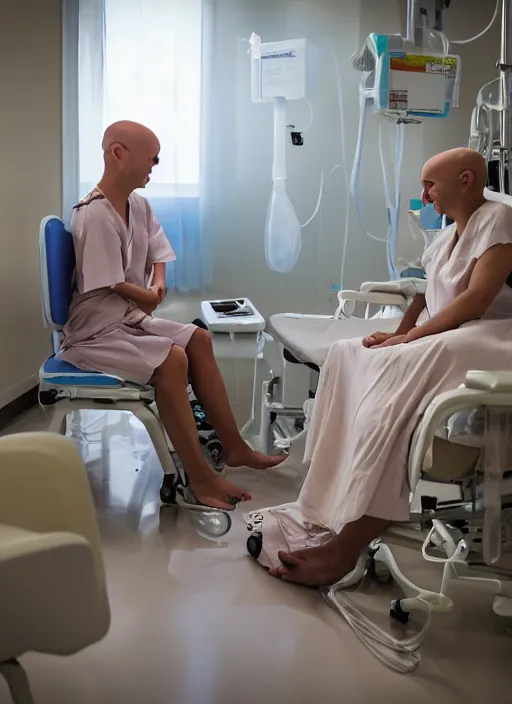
x=147 y=61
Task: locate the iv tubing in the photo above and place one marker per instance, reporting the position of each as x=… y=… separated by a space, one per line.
x=484 y=31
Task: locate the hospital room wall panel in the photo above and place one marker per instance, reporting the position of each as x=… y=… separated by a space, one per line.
x=30 y=179
x=242 y=158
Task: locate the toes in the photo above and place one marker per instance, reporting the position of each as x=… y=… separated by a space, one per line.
x=213 y=502
x=236 y=493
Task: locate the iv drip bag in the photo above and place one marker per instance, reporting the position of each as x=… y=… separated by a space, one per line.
x=282 y=230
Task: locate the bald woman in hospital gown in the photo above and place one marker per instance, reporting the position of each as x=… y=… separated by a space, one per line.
x=121 y=252
x=372 y=392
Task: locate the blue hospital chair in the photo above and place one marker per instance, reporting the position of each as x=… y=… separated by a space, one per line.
x=63 y=388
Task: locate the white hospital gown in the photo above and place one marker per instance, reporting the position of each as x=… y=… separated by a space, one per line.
x=370 y=400
x=105 y=332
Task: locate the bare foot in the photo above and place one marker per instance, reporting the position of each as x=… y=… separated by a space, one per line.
x=315 y=567
x=217 y=492
x=246 y=457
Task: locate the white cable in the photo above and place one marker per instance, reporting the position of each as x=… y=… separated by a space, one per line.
x=343 y=166
x=399 y=655
x=484 y=31
x=321 y=189
x=356 y=169
x=318 y=202
x=310 y=105
x=399 y=157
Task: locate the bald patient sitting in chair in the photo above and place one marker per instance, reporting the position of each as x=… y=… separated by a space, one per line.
x=373 y=392
x=120 y=248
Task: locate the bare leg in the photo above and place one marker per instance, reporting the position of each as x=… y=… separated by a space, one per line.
x=210 y=390
x=170 y=381
x=327 y=564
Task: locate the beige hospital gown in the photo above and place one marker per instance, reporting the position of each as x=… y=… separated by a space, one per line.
x=370 y=400
x=105 y=332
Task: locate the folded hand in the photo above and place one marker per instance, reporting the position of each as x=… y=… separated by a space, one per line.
x=395 y=340
x=152 y=303
x=377 y=338
x=160 y=291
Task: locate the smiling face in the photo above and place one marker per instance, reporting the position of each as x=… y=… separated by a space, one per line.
x=139 y=162
x=451 y=178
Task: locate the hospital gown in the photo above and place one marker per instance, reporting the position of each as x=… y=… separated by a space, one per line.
x=105 y=332
x=370 y=400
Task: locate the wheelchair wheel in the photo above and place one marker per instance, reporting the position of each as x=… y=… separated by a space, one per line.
x=255 y=545
x=168 y=490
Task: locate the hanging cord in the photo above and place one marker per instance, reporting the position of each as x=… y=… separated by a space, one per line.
x=484 y=31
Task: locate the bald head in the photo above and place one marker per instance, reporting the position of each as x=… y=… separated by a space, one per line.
x=131 y=134
x=130 y=151
x=454 y=180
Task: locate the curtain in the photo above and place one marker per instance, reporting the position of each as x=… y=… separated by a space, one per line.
x=146 y=60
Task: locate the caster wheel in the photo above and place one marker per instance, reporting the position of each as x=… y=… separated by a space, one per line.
x=397 y=613
x=213 y=525
x=254 y=545
x=168 y=490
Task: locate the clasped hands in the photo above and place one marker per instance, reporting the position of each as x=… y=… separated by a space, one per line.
x=155 y=296
x=384 y=339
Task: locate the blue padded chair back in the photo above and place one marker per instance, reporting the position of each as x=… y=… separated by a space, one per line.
x=57 y=260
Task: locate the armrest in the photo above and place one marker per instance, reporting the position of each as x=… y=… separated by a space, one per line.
x=439 y=410
x=408 y=286
x=348 y=299
x=377 y=297
x=50 y=598
x=44 y=488
x=489 y=381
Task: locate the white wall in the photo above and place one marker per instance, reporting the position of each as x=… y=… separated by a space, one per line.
x=30 y=179
x=241 y=147
x=241 y=143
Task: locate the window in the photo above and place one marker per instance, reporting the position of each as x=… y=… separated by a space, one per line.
x=150 y=51
x=141 y=60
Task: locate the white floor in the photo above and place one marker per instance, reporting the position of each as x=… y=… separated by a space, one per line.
x=198 y=622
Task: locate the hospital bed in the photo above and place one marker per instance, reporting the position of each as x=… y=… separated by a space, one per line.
x=295 y=347
x=65 y=389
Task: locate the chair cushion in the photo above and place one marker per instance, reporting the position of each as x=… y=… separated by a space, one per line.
x=57 y=371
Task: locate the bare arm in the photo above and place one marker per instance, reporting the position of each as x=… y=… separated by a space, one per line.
x=158 y=283
x=489 y=274
x=411 y=315
x=159 y=275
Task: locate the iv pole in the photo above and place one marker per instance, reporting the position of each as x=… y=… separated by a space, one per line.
x=505 y=66
x=416 y=8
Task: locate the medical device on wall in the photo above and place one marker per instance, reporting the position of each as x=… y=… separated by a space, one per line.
x=281 y=71
x=410 y=81
x=406 y=80
x=233 y=315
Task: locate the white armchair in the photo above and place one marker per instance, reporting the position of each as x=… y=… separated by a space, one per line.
x=53 y=595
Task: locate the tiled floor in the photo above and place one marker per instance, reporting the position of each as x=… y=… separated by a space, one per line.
x=198 y=622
